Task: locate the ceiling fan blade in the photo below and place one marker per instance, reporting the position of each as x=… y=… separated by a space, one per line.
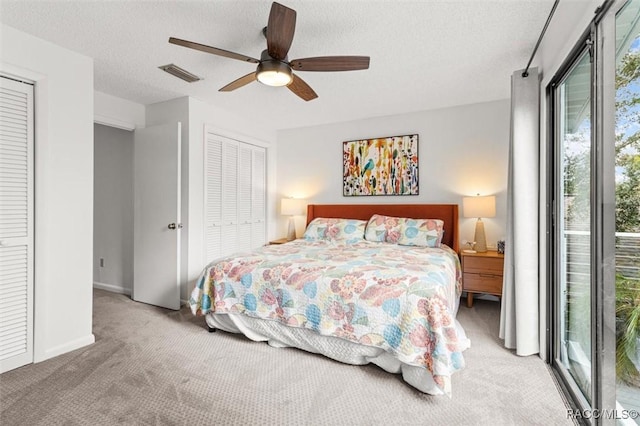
x=213 y=50
x=280 y=29
x=242 y=81
x=331 y=63
x=302 y=89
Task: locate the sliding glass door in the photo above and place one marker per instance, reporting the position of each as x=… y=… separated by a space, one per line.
x=594 y=236
x=627 y=205
x=573 y=197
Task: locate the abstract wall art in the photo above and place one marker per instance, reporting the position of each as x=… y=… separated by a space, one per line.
x=381 y=166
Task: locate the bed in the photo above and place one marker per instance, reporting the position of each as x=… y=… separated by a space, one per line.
x=354 y=289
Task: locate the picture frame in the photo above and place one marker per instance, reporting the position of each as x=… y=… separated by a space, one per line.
x=380 y=166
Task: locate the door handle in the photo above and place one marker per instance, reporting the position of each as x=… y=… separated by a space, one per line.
x=174 y=226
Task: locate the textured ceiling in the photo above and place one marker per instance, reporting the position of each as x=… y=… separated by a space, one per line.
x=424 y=54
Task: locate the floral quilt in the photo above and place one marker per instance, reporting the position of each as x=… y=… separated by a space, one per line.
x=399 y=298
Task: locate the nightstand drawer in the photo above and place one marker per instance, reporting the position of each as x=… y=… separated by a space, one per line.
x=485 y=283
x=481 y=273
x=491 y=265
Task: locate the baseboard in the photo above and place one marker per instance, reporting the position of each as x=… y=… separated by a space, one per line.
x=112 y=288
x=121 y=290
x=126 y=291
x=67 y=347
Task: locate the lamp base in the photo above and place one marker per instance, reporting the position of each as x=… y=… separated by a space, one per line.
x=291 y=233
x=481 y=239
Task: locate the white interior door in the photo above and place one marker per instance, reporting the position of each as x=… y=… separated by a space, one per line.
x=157 y=227
x=16 y=224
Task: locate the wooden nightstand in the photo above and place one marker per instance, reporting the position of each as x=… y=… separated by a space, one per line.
x=279 y=241
x=482 y=273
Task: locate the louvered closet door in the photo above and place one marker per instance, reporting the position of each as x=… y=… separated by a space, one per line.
x=234 y=196
x=258 y=197
x=229 y=243
x=213 y=197
x=244 y=197
x=16 y=224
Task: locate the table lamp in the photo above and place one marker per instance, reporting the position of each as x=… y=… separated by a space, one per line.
x=479 y=207
x=291 y=207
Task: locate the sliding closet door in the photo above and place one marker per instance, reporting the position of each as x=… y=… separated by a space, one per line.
x=258 y=197
x=229 y=169
x=235 y=196
x=16 y=224
x=213 y=196
x=244 y=199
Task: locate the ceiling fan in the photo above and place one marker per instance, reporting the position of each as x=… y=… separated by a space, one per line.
x=274 y=67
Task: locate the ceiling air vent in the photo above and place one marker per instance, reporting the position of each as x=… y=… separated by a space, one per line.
x=180 y=73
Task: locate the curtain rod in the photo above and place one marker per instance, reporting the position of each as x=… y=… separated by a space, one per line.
x=535 y=49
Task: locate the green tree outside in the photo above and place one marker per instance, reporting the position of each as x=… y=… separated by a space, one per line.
x=627 y=148
x=627 y=143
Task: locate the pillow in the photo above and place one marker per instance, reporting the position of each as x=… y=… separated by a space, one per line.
x=316 y=230
x=421 y=232
x=383 y=229
x=405 y=231
x=347 y=230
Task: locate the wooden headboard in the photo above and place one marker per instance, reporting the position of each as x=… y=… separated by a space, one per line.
x=447 y=212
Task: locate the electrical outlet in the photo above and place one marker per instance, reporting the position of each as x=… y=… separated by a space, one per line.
x=102 y=262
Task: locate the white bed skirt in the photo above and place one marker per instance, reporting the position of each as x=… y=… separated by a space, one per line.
x=282 y=336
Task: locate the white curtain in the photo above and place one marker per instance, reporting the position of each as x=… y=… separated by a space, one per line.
x=519 y=317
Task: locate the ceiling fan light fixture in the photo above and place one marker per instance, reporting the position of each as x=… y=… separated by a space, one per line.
x=274 y=67
x=274 y=73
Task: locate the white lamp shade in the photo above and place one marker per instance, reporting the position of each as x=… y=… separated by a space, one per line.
x=291 y=206
x=479 y=206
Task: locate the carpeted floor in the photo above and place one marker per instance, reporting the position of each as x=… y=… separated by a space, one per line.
x=159 y=367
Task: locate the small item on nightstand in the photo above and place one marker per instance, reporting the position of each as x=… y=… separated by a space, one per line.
x=470 y=249
x=501 y=246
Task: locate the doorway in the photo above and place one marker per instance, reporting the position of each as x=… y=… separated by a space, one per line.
x=113 y=209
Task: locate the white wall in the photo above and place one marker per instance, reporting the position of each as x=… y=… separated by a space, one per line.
x=63 y=188
x=195 y=115
x=113 y=209
x=462 y=151
x=117 y=112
